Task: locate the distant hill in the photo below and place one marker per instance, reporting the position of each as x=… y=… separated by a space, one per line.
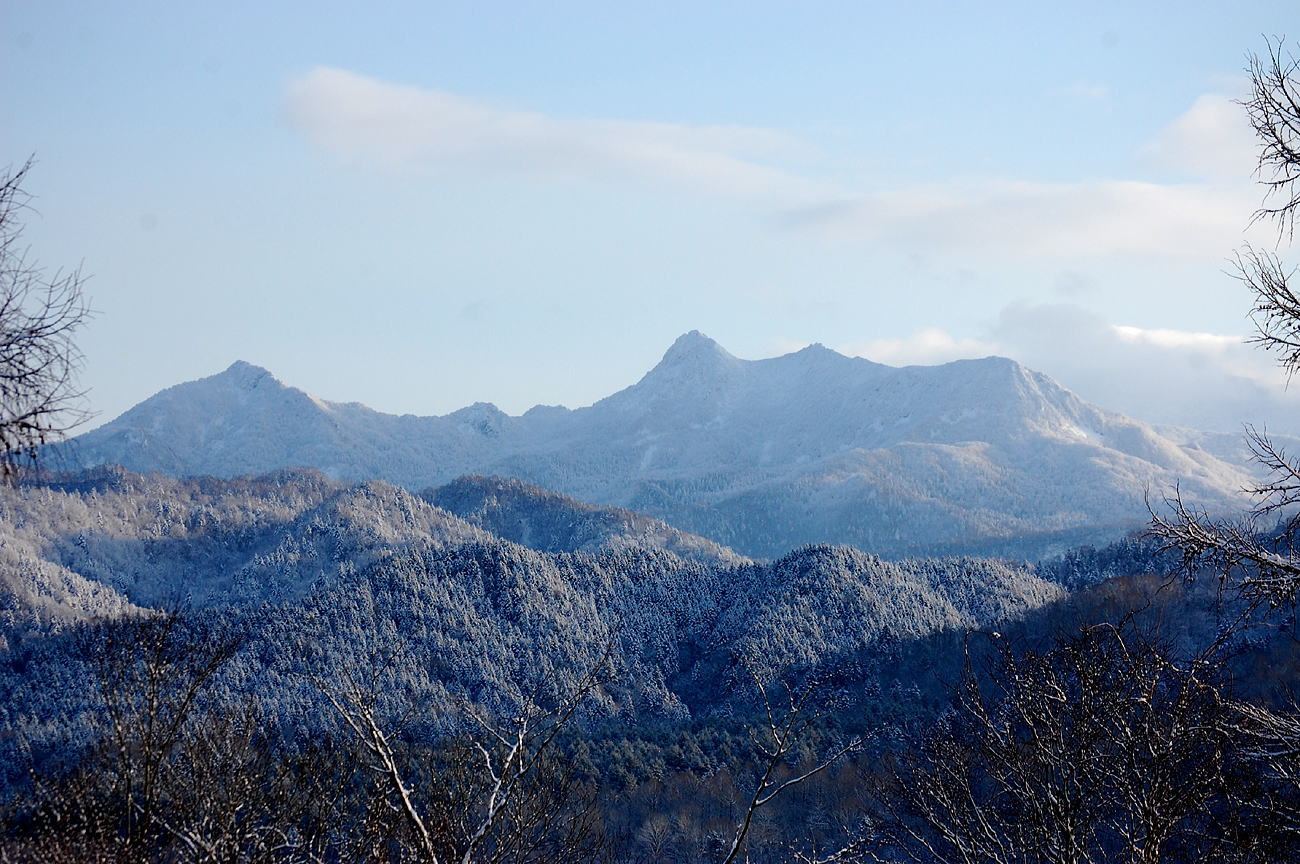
x=79 y=546
x=321 y=576
x=761 y=456
x=550 y=522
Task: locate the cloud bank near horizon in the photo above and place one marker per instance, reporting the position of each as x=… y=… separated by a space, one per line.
x=1211 y=381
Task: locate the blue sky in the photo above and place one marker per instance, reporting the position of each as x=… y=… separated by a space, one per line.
x=422 y=205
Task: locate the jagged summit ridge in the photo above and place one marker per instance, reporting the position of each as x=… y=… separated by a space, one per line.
x=759 y=455
x=694 y=347
x=243 y=371
x=693 y=367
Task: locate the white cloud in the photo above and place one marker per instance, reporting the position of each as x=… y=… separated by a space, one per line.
x=1230 y=354
x=409 y=129
x=1088 y=219
x=1211 y=142
x=1212 y=139
x=1204 y=380
x=923 y=348
x=1211 y=381
x=1216 y=343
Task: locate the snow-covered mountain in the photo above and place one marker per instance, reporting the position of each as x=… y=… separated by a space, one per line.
x=762 y=456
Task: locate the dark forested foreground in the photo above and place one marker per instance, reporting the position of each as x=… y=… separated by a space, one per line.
x=376 y=680
x=1102 y=747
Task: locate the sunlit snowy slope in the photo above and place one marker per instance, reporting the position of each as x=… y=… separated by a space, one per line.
x=972 y=456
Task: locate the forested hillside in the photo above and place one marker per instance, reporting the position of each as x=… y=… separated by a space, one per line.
x=292 y=605
x=296 y=558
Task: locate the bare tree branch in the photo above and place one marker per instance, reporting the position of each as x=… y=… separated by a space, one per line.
x=1276 y=313
x=1274 y=113
x=487 y=811
x=40 y=315
x=785 y=729
x=1232 y=550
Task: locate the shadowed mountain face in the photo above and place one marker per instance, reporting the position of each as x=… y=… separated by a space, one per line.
x=761 y=456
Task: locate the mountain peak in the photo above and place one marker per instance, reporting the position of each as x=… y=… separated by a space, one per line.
x=694 y=364
x=694 y=347
x=817 y=352
x=242 y=373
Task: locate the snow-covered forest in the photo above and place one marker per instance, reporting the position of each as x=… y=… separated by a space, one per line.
x=809 y=608
x=254 y=621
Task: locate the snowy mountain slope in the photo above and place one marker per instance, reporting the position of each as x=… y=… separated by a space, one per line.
x=550 y=522
x=82 y=545
x=759 y=455
x=318 y=575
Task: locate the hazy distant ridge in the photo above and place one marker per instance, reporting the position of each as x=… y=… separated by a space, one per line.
x=758 y=455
